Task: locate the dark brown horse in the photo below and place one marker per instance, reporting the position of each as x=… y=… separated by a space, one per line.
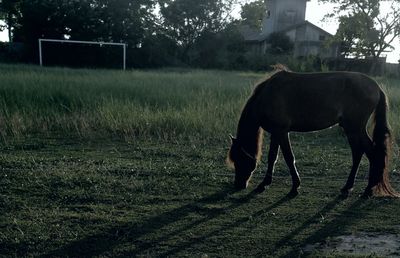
x=304 y=102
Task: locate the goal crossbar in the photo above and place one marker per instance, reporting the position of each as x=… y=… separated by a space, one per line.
x=82 y=42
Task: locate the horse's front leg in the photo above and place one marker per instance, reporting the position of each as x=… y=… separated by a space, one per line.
x=284 y=142
x=272 y=157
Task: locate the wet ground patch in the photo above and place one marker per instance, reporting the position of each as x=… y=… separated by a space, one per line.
x=359 y=244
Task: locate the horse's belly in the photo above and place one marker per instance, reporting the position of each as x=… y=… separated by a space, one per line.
x=304 y=125
x=304 y=115
x=314 y=122
x=311 y=127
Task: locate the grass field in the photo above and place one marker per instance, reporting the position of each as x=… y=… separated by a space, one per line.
x=116 y=164
x=162 y=105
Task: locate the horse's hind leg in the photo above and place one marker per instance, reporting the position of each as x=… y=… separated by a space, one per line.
x=368 y=147
x=357 y=150
x=360 y=144
x=272 y=157
x=290 y=161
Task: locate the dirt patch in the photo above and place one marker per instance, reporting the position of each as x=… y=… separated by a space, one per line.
x=385 y=245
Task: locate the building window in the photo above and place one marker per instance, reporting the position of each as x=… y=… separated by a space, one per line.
x=322 y=37
x=290 y=16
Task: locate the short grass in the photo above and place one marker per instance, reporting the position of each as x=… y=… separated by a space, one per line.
x=114 y=164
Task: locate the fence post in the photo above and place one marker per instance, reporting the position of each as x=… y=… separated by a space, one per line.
x=40 y=52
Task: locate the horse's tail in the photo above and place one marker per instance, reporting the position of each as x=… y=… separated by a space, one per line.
x=382 y=143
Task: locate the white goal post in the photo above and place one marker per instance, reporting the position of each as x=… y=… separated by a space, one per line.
x=82 y=42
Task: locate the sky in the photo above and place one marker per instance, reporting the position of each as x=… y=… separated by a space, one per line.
x=314 y=14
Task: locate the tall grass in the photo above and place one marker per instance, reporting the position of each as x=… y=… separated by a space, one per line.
x=391 y=87
x=91 y=103
x=161 y=104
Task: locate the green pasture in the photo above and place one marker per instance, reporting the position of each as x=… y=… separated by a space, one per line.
x=131 y=164
x=162 y=105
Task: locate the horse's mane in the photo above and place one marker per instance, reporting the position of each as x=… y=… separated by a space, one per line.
x=280 y=67
x=256 y=149
x=277 y=68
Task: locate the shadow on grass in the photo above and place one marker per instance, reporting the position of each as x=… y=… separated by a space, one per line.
x=334 y=228
x=132 y=233
x=228 y=226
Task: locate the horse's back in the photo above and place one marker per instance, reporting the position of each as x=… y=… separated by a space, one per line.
x=314 y=101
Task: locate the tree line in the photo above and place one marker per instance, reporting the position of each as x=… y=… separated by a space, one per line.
x=199 y=33
x=158 y=32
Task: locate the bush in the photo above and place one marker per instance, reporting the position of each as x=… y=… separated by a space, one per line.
x=11 y=52
x=280 y=44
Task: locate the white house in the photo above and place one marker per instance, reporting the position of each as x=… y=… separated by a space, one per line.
x=288 y=16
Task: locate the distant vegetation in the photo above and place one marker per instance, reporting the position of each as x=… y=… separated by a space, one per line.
x=161 y=104
x=178 y=33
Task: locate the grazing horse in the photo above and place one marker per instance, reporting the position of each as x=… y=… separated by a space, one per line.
x=304 y=102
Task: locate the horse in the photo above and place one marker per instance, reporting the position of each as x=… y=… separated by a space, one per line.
x=304 y=102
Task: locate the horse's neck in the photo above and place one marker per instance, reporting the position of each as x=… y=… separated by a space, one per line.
x=248 y=131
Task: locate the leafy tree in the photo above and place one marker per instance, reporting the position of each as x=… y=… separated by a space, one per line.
x=193 y=31
x=229 y=53
x=38 y=19
x=123 y=20
x=157 y=51
x=8 y=13
x=346 y=35
x=106 y=20
x=253 y=13
x=115 y=20
x=364 y=31
x=280 y=43
x=185 y=21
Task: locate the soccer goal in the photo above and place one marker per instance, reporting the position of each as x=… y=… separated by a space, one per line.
x=87 y=43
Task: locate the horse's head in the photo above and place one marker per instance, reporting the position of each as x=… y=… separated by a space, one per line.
x=243 y=163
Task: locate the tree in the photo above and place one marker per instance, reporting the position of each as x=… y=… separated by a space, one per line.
x=167 y=37
x=185 y=21
x=38 y=19
x=346 y=35
x=252 y=14
x=280 y=43
x=111 y=20
x=363 y=30
x=224 y=49
x=8 y=13
x=104 y=20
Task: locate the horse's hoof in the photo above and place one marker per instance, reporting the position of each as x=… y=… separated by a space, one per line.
x=346 y=190
x=293 y=193
x=345 y=193
x=259 y=189
x=367 y=194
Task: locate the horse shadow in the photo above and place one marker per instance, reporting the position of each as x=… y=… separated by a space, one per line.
x=346 y=218
x=227 y=227
x=132 y=233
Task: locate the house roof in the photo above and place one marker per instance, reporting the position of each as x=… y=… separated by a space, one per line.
x=250 y=34
x=306 y=23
